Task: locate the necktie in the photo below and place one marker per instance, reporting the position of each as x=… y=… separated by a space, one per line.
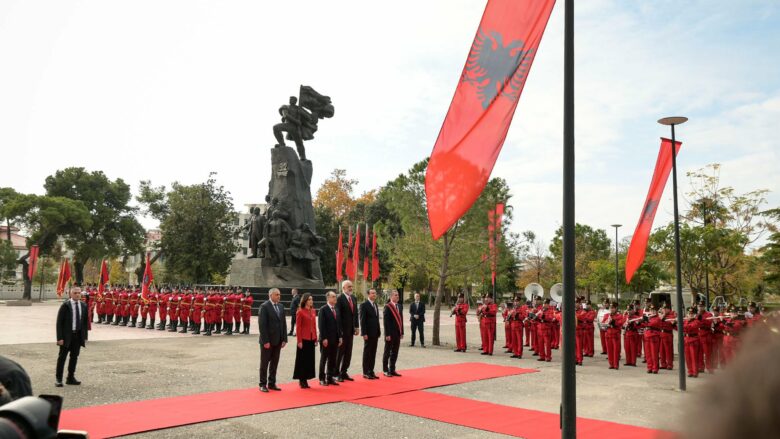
x=78 y=316
x=278 y=312
x=333 y=310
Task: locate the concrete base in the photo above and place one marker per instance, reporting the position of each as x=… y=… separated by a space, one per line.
x=18 y=303
x=255 y=273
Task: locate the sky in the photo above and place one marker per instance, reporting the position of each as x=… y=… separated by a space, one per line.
x=168 y=91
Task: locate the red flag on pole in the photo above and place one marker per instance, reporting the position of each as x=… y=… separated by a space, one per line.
x=64 y=277
x=339 y=258
x=148 y=279
x=485 y=100
x=350 y=262
x=663 y=166
x=492 y=244
x=365 y=255
x=356 y=252
x=103 y=277
x=374 y=261
x=33 y=265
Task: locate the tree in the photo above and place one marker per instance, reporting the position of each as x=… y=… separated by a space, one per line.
x=7 y=260
x=592 y=245
x=113 y=230
x=328 y=228
x=336 y=194
x=197 y=225
x=770 y=256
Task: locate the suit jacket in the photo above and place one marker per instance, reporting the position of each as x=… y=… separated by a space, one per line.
x=65 y=323
x=273 y=327
x=369 y=320
x=294 y=303
x=328 y=325
x=348 y=317
x=413 y=310
x=392 y=328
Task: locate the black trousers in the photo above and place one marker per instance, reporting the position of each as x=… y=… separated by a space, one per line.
x=328 y=360
x=269 y=360
x=73 y=349
x=292 y=323
x=418 y=325
x=369 y=355
x=345 y=353
x=391 y=354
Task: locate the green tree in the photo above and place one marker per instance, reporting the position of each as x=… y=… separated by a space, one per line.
x=591 y=244
x=328 y=228
x=7 y=260
x=770 y=255
x=197 y=225
x=113 y=231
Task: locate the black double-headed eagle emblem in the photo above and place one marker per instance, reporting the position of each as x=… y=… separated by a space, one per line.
x=497 y=69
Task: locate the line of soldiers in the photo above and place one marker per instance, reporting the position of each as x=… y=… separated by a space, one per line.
x=534 y=324
x=179 y=309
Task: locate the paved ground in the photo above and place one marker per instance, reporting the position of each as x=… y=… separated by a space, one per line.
x=126 y=364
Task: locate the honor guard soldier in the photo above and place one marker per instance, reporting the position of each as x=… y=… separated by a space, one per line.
x=718 y=329
x=590 y=330
x=100 y=306
x=733 y=325
x=230 y=307
x=652 y=337
x=173 y=310
x=246 y=310
x=612 y=323
x=545 y=326
x=198 y=308
x=460 y=311
x=154 y=300
x=704 y=361
x=489 y=311
x=238 y=299
x=132 y=300
x=143 y=310
x=108 y=306
x=185 y=305
x=691 y=334
x=666 y=350
x=124 y=307
x=162 y=309
x=516 y=318
x=631 y=338
x=580 y=330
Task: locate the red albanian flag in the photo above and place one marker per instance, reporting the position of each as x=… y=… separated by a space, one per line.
x=481 y=110
x=33 y=265
x=663 y=166
x=339 y=258
x=103 y=277
x=374 y=261
x=365 y=255
x=350 y=263
x=64 y=277
x=148 y=279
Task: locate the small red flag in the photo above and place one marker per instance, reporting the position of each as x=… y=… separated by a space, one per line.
x=339 y=258
x=663 y=166
x=356 y=252
x=64 y=277
x=148 y=279
x=33 y=265
x=481 y=111
x=103 y=277
x=374 y=261
x=365 y=255
x=350 y=263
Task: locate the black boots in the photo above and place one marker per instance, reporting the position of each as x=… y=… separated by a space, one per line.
x=151 y=324
x=246 y=328
x=174 y=325
x=184 y=328
x=143 y=324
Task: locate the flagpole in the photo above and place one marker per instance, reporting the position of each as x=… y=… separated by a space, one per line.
x=672 y=121
x=568 y=378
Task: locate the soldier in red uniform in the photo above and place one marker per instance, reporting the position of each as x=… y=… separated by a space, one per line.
x=516 y=328
x=460 y=311
x=507 y=326
x=718 y=331
x=173 y=310
x=219 y=311
x=213 y=311
x=238 y=299
x=691 y=334
x=100 y=306
x=489 y=312
x=652 y=325
x=535 y=340
x=602 y=332
x=527 y=324
x=481 y=321
x=124 y=307
x=590 y=328
x=133 y=305
x=154 y=298
x=555 y=332
x=733 y=325
x=91 y=296
x=613 y=322
x=198 y=308
x=162 y=304
x=230 y=308
x=108 y=306
x=666 y=341
x=246 y=310
x=705 y=338
x=580 y=332
x=185 y=305
x=544 y=320
x=631 y=339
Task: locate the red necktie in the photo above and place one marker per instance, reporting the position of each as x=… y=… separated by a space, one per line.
x=333 y=310
x=349 y=299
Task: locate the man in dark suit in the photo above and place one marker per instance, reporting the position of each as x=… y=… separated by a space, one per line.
x=369 y=329
x=417 y=317
x=347 y=310
x=394 y=332
x=273 y=337
x=71 y=335
x=296 y=300
x=330 y=340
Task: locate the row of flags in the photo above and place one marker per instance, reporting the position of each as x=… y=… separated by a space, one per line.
x=348 y=260
x=64 y=277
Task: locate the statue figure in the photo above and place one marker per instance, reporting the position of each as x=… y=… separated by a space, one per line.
x=277 y=238
x=305 y=246
x=300 y=124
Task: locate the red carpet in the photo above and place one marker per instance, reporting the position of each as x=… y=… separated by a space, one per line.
x=113 y=420
x=530 y=424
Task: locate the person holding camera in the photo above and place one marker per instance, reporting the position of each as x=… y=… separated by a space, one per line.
x=71 y=335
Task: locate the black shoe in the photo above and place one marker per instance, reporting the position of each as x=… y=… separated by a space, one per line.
x=368 y=377
x=264 y=389
x=484 y=353
x=422 y=346
x=302 y=384
x=340 y=379
x=72 y=381
x=273 y=387
x=411 y=345
x=373 y=376
x=59 y=383
x=323 y=383
x=346 y=377
x=332 y=382
x=395 y=374
x=387 y=374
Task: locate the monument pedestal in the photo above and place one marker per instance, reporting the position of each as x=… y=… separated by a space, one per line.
x=258 y=273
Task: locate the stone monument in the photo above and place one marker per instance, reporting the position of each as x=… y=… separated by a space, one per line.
x=285 y=247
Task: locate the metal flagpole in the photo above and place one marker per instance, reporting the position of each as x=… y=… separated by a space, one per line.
x=568 y=379
x=672 y=121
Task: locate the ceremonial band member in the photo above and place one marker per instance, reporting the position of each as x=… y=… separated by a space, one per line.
x=590 y=337
x=545 y=327
x=330 y=341
x=489 y=311
x=691 y=334
x=273 y=338
x=72 y=335
x=306 y=330
x=580 y=331
x=460 y=311
x=631 y=336
x=417 y=319
x=516 y=318
x=508 y=308
x=613 y=321
x=349 y=324
x=704 y=359
x=394 y=332
x=369 y=329
x=666 y=350
x=652 y=338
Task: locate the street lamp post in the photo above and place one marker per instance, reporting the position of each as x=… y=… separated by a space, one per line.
x=617 y=270
x=672 y=121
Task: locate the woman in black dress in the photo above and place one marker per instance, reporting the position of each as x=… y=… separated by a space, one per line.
x=306 y=330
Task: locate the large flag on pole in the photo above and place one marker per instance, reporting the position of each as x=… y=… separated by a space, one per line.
x=148 y=279
x=663 y=166
x=339 y=258
x=350 y=263
x=103 y=277
x=366 y=255
x=356 y=253
x=64 y=277
x=33 y=264
x=481 y=111
x=374 y=261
